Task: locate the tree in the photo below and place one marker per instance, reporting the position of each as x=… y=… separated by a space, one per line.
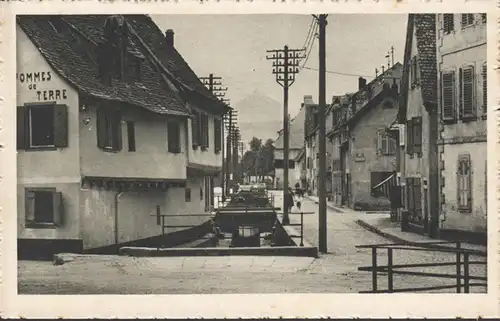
x=255 y=144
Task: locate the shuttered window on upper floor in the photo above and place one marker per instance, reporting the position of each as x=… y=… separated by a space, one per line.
x=417 y=135
x=109 y=129
x=414 y=71
x=467 y=93
x=448 y=23
x=409 y=137
x=467 y=19
x=195 y=129
x=204 y=131
x=174 y=136
x=448 y=96
x=217 y=135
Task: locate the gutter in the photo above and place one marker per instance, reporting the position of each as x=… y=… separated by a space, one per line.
x=117 y=196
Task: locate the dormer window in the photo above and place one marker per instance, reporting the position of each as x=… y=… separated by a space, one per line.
x=113 y=52
x=134 y=68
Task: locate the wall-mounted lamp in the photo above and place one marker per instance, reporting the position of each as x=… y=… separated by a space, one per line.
x=83 y=107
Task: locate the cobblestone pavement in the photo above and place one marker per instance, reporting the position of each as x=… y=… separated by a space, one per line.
x=335 y=272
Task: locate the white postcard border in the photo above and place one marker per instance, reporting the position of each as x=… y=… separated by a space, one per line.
x=251 y=305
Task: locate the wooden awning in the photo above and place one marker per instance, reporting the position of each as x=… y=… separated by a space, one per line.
x=131 y=183
x=203 y=170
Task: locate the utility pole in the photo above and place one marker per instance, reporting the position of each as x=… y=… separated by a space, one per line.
x=392 y=54
x=285 y=66
x=215 y=86
x=388 y=60
x=322 y=218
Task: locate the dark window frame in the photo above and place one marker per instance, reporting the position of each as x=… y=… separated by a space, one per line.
x=131 y=136
x=467 y=20
x=109 y=129
x=174 y=136
x=217 y=135
x=448 y=23
x=57 y=205
x=59 y=132
x=448 y=97
x=187 y=195
x=468 y=108
x=417 y=135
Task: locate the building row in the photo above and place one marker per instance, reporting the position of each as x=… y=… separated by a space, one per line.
x=416 y=134
x=112 y=124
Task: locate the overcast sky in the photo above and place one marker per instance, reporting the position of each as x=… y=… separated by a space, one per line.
x=234 y=47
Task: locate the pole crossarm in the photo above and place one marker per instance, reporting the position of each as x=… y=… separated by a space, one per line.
x=285 y=64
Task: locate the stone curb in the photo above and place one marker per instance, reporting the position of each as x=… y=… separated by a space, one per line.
x=397 y=239
x=333 y=208
x=241 y=251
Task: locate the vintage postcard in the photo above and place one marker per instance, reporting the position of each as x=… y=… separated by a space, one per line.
x=256 y=159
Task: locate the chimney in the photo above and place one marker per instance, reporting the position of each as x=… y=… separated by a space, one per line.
x=361 y=83
x=169 y=38
x=308 y=100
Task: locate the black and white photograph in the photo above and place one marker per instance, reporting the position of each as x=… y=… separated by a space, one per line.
x=167 y=154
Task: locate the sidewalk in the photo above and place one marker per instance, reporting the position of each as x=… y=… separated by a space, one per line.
x=383 y=226
x=330 y=205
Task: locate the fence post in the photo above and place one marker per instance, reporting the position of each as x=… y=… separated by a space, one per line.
x=301 y=228
x=466 y=272
x=374 y=269
x=389 y=270
x=459 y=270
x=158 y=215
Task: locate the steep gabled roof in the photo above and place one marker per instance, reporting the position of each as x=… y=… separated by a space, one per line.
x=71 y=54
x=425 y=29
x=423 y=26
x=296 y=132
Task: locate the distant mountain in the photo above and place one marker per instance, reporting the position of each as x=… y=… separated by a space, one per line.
x=259 y=116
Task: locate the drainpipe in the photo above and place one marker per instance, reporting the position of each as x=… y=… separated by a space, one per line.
x=117 y=197
x=433 y=185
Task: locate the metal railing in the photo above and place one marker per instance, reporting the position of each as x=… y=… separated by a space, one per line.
x=462 y=259
x=301 y=224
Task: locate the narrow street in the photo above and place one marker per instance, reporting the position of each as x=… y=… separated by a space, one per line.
x=335 y=272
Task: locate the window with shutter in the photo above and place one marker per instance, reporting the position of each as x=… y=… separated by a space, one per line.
x=483 y=17
x=467 y=93
x=195 y=130
x=217 y=135
x=131 y=136
x=448 y=96
x=464 y=186
x=417 y=136
x=44 y=207
x=409 y=136
x=173 y=136
x=22 y=127
x=485 y=89
x=41 y=123
x=448 y=23
x=109 y=131
x=467 y=19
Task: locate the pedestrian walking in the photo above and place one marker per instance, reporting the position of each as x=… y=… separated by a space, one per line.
x=289 y=199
